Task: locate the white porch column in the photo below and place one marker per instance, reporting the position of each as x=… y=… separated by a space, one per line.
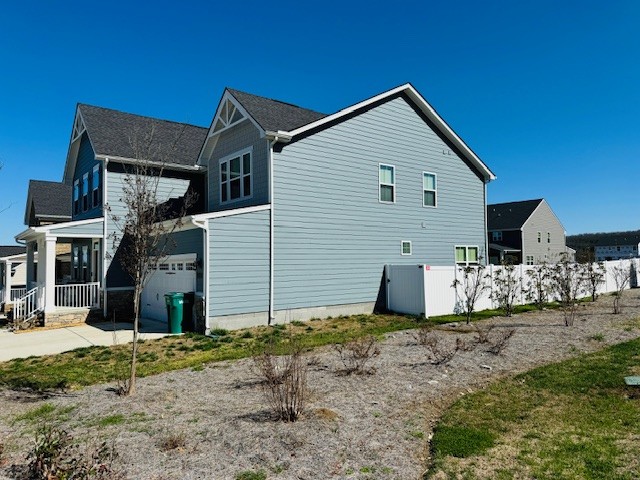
x=49 y=264
x=7 y=282
x=30 y=265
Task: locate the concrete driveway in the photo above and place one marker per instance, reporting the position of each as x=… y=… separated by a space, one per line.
x=47 y=342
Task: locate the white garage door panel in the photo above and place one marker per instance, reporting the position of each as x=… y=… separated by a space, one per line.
x=176 y=274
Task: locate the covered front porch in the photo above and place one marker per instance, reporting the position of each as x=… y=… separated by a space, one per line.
x=68 y=277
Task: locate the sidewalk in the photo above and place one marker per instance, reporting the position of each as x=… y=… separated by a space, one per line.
x=47 y=342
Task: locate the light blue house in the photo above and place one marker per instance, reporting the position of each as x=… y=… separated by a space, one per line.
x=303 y=210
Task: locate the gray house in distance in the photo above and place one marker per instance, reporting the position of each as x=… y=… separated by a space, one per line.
x=524 y=232
x=300 y=210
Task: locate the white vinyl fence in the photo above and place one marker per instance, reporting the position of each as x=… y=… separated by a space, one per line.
x=427 y=290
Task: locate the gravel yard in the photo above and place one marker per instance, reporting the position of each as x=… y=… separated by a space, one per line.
x=357 y=426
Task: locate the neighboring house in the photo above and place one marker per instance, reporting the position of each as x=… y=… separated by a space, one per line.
x=13 y=272
x=67 y=219
x=606 y=246
x=301 y=211
x=525 y=232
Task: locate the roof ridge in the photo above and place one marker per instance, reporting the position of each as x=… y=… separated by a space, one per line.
x=232 y=90
x=515 y=201
x=80 y=104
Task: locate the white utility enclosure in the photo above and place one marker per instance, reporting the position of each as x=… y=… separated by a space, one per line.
x=177 y=273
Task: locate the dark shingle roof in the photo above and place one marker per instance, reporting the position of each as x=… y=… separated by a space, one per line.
x=505 y=216
x=9 y=250
x=274 y=115
x=112 y=133
x=50 y=199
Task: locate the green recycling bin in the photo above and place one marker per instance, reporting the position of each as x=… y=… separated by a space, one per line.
x=174 y=302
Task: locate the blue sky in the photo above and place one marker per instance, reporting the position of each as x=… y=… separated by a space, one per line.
x=546 y=92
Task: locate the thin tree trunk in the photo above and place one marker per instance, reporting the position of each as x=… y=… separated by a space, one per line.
x=134 y=348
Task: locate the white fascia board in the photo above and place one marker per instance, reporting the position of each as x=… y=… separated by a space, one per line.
x=72 y=152
x=213 y=135
x=25 y=234
x=228 y=213
x=21 y=257
x=54 y=226
x=425 y=107
x=151 y=163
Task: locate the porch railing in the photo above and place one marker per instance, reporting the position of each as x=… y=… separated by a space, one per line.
x=29 y=304
x=81 y=295
x=16 y=293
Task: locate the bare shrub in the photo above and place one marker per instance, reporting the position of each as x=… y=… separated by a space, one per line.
x=173 y=441
x=594 y=273
x=621 y=277
x=507 y=287
x=285 y=381
x=568 y=284
x=356 y=353
x=483 y=332
x=500 y=341
x=470 y=287
x=538 y=285
x=441 y=353
x=421 y=335
x=55 y=456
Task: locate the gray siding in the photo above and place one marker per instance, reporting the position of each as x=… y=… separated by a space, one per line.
x=84 y=164
x=94 y=230
x=167 y=188
x=231 y=141
x=239 y=264
x=332 y=235
x=542 y=220
x=189 y=241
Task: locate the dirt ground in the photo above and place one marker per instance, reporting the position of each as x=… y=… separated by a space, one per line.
x=355 y=427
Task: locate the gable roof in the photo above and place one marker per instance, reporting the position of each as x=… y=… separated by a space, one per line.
x=274 y=115
x=50 y=201
x=11 y=250
x=111 y=133
x=510 y=215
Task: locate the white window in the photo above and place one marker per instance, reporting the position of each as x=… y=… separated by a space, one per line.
x=235 y=177
x=466 y=254
x=529 y=260
x=387 y=181
x=539 y=237
x=496 y=236
x=405 y=247
x=76 y=196
x=85 y=192
x=191 y=265
x=163 y=266
x=429 y=190
x=95 y=185
x=548 y=237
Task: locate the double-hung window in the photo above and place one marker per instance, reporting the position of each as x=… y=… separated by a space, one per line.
x=405 y=247
x=548 y=237
x=95 y=186
x=387 y=182
x=76 y=196
x=429 y=190
x=466 y=255
x=85 y=191
x=235 y=177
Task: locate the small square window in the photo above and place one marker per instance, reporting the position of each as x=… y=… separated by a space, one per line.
x=529 y=260
x=496 y=236
x=405 y=247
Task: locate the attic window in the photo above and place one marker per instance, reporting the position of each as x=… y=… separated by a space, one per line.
x=235 y=177
x=229 y=115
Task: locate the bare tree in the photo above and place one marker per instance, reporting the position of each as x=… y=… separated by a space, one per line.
x=538 y=285
x=471 y=288
x=621 y=277
x=507 y=287
x=594 y=273
x=568 y=284
x=142 y=236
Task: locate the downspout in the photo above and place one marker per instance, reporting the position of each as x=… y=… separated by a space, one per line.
x=486 y=226
x=204 y=225
x=272 y=139
x=105 y=240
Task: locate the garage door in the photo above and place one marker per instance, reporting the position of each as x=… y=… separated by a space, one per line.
x=175 y=274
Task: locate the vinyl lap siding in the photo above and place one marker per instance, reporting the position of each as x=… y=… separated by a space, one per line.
x=84 y=164
x=239 y=264
x=332 y=235
x=543 y=220
x=231 y=141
